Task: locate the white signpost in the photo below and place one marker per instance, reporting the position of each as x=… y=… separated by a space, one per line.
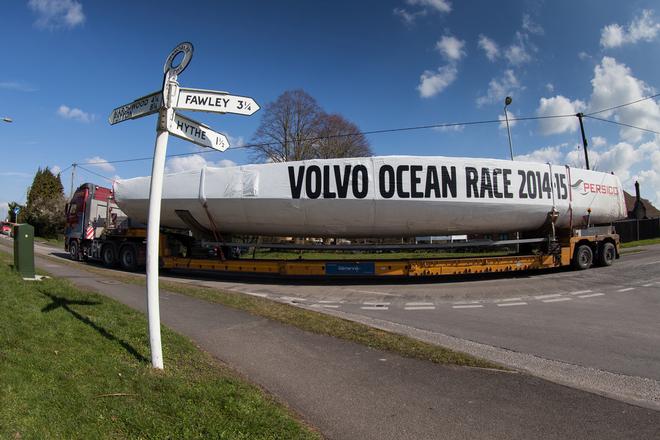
x=164 y=102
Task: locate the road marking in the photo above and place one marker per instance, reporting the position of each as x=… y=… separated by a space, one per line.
x=509 y=304
x=554 y=295
x=292 y=299
x=512 y=299
x=627 y=289
x=374 y=308
x=580 y=292
x=419 y=308
x=591 y=295
x=326 y=306
x=375 y=303
x=414 y=304
x=260 y=295
x=473 y=306
x=556 y=300
x=652 y=262
x=648 y=285
x=329 y=301
x=375 y=292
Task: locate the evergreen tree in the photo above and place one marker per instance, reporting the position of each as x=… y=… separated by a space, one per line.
x=45 y=204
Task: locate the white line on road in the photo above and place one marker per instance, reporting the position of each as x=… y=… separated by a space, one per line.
x=626 y=289
x=580 y=292
x=374 y=308
x=329 y=301
x=419 y=308
x=556 y=300
x=261 y=295
x=511 y=299
x=414 y=304
x=473 y=306
x=650 y=263
x=554 y=295
x=648 y=285
x=292 y=299
x=326 y=306
x=591 y=295
x=509 y=304
x=375 y=303
x=375 y=292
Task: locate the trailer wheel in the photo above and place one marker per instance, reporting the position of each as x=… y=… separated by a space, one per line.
x=108 y=255
x=583 y=258
x=128 y=258
x=607 y=254
x=74 y=250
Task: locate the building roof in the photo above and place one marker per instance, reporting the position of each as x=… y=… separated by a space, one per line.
x=651 y=211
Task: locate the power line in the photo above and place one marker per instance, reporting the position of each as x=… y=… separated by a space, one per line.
x=95 y=173
x=357 y=133
x=622 y=105
x=623 y=124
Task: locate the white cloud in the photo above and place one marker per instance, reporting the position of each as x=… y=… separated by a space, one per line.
x=584 y=56
x=100 y=163
x=74 y=113
x=451 y=48
x=424 y=6
x=613 y=84
x=530 y=26
x=450 y=128
x=558 y=105
x=56 y=169
x=642 y=28
x=54 y=14
x=499 y=88
x=598 y=141
x=17 y=86
x=620 y=158
x=431 y=83
x=490 y=47
x=194 y=162
x=518 y=52
x=237 y=141
x=552 y=154
x=437 y=5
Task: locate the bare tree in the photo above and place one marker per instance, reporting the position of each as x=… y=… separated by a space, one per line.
x=288 y=128
x=294 y=127
x=339 y=137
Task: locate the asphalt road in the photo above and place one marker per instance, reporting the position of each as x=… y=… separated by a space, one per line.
x=350 y=391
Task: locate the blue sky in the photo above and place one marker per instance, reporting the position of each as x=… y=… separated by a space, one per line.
x=382 y=64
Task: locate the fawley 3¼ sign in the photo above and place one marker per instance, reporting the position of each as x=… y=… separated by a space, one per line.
x=213 y=101
x=197 y=133
x=147 y=105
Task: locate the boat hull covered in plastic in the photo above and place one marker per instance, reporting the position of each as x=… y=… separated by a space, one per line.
x=379 y=197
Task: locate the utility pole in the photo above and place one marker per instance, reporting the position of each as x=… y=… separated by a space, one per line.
x=584 y=139
x=73 y=176
x=507 y=102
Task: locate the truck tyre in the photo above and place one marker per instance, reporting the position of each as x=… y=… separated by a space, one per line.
x=607 y=254
x=128 y=258
x=74 y=250
x=583 y=258
x=108 y=255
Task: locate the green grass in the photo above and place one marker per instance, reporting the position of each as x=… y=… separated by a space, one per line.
x=54 y=241
x=641 y=243
x=357 y=255
x=309 y=320
x=74 y=364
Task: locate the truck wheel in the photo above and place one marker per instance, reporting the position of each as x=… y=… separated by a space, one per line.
x=74 y=250
x=583 y=258
x=108 y=255
x=128 y=258
x=607 y=254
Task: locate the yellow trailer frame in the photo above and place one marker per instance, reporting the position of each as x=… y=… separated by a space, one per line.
x=397 y=268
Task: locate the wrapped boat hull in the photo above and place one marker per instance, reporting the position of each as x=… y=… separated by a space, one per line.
x=379 y=197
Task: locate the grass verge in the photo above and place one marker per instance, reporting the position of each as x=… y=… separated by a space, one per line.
x=307 y=320
x=74 y=364
x=631 y=244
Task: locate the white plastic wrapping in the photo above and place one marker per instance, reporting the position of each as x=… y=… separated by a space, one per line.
x=380 y=196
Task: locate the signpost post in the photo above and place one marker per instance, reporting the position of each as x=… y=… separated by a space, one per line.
x=164 y=103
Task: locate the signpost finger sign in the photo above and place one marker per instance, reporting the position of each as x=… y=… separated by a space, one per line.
x=164 y=102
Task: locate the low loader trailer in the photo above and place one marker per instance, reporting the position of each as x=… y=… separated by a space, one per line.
x=97 y=229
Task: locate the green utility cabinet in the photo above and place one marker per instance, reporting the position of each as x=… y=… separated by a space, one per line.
x=24 y=250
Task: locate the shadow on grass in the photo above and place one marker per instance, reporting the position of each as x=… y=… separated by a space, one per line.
x=64 y=303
